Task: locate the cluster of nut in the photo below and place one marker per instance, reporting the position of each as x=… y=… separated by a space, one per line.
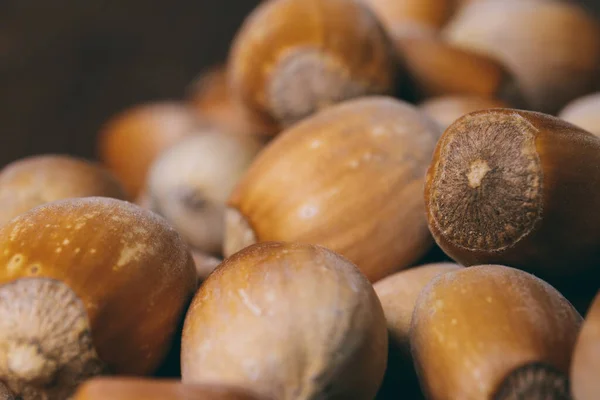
x=369 y=199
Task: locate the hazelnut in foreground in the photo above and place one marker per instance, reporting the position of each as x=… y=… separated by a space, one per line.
x=519 y=188
x=87 y=286
x=493 y=332
x=289 y=322
x=36 y=180
x=349 y=178
x=294 y=57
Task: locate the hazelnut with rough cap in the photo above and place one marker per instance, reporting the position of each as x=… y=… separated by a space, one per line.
x=147 y=389
x=586 y=358
x=349 y=178
x=518 y=188
x=36 y=180
x=189 y=183
x=130 y=141
x=551 y=47
x=493 y=332
x=584 y=112
x=294 y=57
x=287 y=321
x=87 y=286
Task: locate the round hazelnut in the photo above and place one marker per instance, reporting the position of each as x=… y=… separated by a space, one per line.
x=88 y=286
x=287 y=321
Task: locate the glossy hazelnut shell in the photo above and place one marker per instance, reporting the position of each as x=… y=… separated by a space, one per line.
x=472 y=327
x=129 y=268
x=350 y=178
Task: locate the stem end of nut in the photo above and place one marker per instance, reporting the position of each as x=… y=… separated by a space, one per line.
x=534 y=381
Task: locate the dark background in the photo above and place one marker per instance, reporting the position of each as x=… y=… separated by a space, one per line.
x=68 y=65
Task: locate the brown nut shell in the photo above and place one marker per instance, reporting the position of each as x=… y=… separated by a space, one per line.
x=147 y=389
x=190 y=182
x=349 y=178
x=132 y=139
x=294 y=57
x=518 y=188
x=493 y=332
x=36 y=180
x=436 y=68
x=88 y=285
x=398 y=294
x=447 y=109
x=584 y=112
x=586 y=358
x=551 y=47
x=288 y=321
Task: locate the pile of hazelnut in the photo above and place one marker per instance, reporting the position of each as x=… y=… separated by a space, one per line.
x=371 y=199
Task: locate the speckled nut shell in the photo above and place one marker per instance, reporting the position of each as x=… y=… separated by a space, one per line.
x=87 y=286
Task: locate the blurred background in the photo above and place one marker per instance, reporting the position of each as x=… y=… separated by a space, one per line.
x=66 y=66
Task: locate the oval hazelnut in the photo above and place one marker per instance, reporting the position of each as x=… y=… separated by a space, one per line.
x=492 y=332
x=294 y=57
x=287 y=321
x=349 y=178
x=88 y=286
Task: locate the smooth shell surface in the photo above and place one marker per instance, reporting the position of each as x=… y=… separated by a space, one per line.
x=350 y=178
x=37 y=180
x=294 y=57
x=129 y=268
x=473 y=326
x=288 y=321
x=552 y=47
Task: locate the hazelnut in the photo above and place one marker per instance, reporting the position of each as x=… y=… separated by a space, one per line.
x=492 y=332
x=586 y=358
x=294 y=57
x=88 y=286
x=349 y=178
x=518 y=188
x=287 y=321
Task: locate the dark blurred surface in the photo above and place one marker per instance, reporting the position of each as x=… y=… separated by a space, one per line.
x=68 y=65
